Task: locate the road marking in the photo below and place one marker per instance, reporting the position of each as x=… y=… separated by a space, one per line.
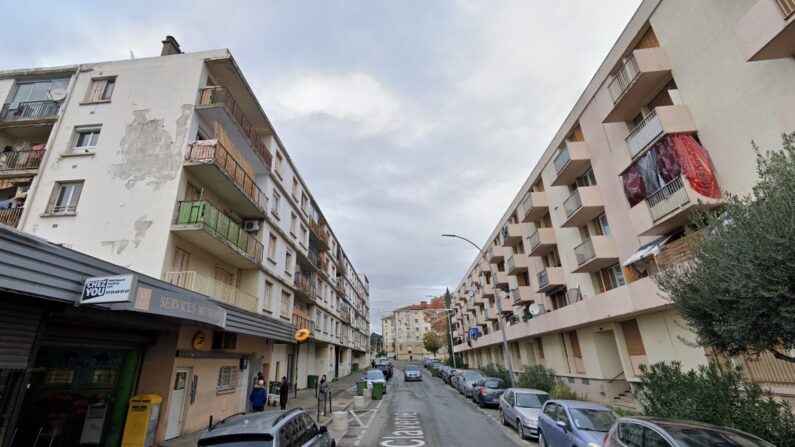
x=407 y=432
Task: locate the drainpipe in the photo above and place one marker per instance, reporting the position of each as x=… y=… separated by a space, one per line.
x=34 y=186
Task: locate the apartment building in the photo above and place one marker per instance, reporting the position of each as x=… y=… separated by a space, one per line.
x=405 y=329
x=666 y=123
x=169 y=167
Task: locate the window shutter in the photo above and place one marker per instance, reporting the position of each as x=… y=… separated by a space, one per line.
x=97 y=89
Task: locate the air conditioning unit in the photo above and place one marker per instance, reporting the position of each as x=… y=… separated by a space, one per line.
x=251 y=226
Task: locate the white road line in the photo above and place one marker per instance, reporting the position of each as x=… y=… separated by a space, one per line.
x=361 y=424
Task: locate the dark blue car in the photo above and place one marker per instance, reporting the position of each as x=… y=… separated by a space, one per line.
x=566 y=423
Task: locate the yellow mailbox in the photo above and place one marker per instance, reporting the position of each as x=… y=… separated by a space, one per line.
x=142 y=414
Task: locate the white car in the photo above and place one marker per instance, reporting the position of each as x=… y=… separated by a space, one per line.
x=374 y=376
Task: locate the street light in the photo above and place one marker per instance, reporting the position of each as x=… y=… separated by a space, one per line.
x=499 y=312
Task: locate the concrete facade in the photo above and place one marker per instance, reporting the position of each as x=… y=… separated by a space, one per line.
x=405 y=329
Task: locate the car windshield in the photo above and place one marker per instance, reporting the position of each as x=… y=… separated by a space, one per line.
x=375 y=375
x=590 y=419
x=412 y=368
x=493 y=384
x=687 y=436
x=472 y=375
x=529 y=400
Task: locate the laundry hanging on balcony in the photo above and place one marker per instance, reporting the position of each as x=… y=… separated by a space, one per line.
x=696 y=165
x=633 y=185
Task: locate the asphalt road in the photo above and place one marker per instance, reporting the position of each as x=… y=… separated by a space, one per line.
x=427 y=413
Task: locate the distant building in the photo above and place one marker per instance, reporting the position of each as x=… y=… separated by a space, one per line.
x=404 y=331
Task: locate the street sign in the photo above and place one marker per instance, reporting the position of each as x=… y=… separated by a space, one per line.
x=108 y=289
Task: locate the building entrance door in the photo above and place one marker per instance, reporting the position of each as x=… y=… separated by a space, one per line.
x=177 y=405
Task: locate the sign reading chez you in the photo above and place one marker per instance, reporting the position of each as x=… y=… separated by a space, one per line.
x=108 y=289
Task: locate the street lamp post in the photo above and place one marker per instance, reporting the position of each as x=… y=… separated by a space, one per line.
x=501 y=319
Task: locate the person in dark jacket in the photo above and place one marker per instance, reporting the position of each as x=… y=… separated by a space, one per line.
x=284 y=390
x=258 y=396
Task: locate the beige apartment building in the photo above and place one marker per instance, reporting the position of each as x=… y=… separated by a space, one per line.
x=405 y=328
x=666 y=123
x=169 y=167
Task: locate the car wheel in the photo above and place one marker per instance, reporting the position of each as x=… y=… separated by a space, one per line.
x=542 y=442
x=520 y=429
x=502 y=418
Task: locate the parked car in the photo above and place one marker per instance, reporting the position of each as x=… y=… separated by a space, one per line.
x=467 y=382
x=488 y=391
x=412 y=372
x=448 y=374
x=632 y=431
x=272 y=428
x=456 y=378
x=426 y=362
x=385 y=368
x=375 y=376
x=520 y=408
x=573 y=423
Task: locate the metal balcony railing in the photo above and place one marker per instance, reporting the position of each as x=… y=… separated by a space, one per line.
x=644 y=134
x=22 y=159
x=30 y=110
x=584 y=252
x=623 y=78
x=516 y=295
x=219 y=225
x=543 y=278
x=527 y=203
x=214 y=289
x=510 y=263
x=320 y=232
x=787 y=7
x=303 y=322
x=211 y=151
x=215 y=95
x=535 y=240
x=10 y=216
x=572 y=203
x=667 y=199
x=504 y=232
x=305 y=284
x=561 y=159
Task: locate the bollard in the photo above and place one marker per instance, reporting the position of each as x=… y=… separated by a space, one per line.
x=359 y=403
x=340 y=420
x=368 y=394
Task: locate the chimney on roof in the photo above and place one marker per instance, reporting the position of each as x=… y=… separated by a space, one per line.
x=170 y=46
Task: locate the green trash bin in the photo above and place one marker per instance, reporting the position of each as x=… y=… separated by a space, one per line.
x=360 y=387
x=311 y=381
x=274 y=387
x=378 y=391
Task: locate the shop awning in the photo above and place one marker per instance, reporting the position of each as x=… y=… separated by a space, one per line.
x=653 y=248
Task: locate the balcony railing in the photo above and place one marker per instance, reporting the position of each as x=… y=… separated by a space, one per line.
x=320 y=232
x=504 y=232
x=219 y=225
x=305 y=284
x=30 y=110
x=215 y=95
x=584 y=252
x=667 y=199
x=535 y=240
x=510 y=263
x=787 y=7
x=644 y=134
x=562 y=159
x=10 y=216
x=303 y=322
x=214 y=289
x=23 y=159
x=211 y=151
x=527 y=203
x=543 y=278
x=572 y=203
x=623 y=78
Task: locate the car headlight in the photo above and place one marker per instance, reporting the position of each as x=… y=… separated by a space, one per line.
x=531 y=422
x=593 y=444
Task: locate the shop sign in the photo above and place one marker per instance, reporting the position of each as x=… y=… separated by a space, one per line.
x=108 y=289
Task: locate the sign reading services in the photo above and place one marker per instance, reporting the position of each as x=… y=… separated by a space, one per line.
x=108 y=289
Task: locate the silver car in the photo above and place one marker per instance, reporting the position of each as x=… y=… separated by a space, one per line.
x=631 y=431
x=271 y=428
x=412 y=372
x=466 y=384
x=519 y=407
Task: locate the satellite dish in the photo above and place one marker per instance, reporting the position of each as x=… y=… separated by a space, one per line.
x=536 y=309
x=57 y=94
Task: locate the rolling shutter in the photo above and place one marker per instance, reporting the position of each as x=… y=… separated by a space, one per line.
x=20 y=324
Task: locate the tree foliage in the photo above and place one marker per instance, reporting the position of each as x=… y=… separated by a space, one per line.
x=432 y=342
x=738 y=290
x=537 y=377
x=716 y=397
x=495 y=370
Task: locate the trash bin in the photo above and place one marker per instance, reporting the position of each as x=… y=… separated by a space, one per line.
x=142 y=415
x=274 y=387
x=311 y=381
x=378 y=391
x=360 y=386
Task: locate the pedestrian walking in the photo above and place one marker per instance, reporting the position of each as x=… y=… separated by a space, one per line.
x=323 y=392
x=259 y=395
x=284 y=390
x=372 y=363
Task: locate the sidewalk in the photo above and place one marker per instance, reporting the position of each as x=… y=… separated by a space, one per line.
x=342 y=392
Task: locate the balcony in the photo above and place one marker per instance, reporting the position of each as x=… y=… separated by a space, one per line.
x=305 y=286
x=485 y=266
x=767 y=30
x=488 y=291
x=582 y=206
x=571 y=161
x=511 y=234
x=501 y=279
x=490 y=314
x=216 y=290
x=211 y=163
x=641 y=76
x=541 y=242
x=549 y=278
x=218 y=104
x=534 y=206
x=10 y=216
x=341 y=286
x=495 y=254
x=596 y=253
x=31 y=112
x=507 y=305
x=202 y=224
x=516 y=263
x=668 y=208
x=21 y=163
x=663 y=120
x=320 y=234
x=523 y=295
x=302 y=321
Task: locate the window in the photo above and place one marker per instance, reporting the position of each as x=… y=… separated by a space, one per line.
x=295 y=188
x=192 y=192
x=223 y=276
x=304 y=202
x=275 y=206
x=304 y=235
x=288 y=263
x=293 y=223
x=37 y=91
x=224 y=340
x=630 y=434
x=284 y=308
x=279 y=165
x=101 y=90
x=268 y=288
x=85 y=141
x=227 y=378
x=59 y=377
x=272 y=248
x=65 y=197
x=604 y=227
x=616 y=275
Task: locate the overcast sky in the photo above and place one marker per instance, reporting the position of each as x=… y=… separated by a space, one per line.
x=408 y=119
